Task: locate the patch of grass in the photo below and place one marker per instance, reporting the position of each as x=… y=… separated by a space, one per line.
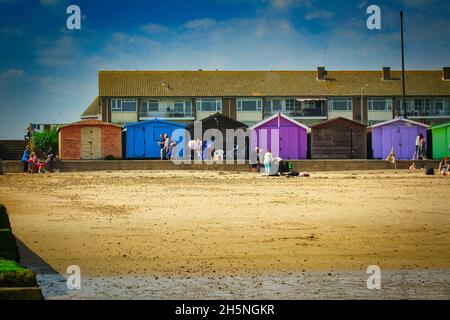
x=8 y=247
x=13 y=274
x=4 y=219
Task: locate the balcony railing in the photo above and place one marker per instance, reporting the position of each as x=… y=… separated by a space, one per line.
x=167 y=114
x=304 y=113
x=424 y=113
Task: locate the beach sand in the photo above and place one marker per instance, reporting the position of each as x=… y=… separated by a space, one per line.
x=196 y=224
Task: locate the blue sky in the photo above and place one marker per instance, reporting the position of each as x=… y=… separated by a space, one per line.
x=48 y=74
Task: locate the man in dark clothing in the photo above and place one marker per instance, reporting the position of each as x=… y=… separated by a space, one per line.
x=161 y=144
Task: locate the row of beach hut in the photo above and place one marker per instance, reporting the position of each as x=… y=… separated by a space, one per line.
x=337 y=138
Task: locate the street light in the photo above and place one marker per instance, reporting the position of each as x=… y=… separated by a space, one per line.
x=362 y=102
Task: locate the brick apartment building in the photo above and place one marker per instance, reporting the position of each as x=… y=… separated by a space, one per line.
x=250 y=96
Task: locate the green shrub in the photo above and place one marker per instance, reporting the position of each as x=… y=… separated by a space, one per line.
x=13 y=274
x=8 y=247
x=45 y=140
x=4 y=219
x=109 y=157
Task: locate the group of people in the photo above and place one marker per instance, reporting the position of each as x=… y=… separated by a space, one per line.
x=166 y=144
x=32 y=163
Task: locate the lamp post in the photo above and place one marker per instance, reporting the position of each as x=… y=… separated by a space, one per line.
x=362 y=102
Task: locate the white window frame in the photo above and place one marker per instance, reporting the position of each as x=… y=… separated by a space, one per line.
x=387 y=104
x=258 y=104
x=147 y=102
x=218 y=103
x=116 y=101
x=269 y=104
x=331 y=102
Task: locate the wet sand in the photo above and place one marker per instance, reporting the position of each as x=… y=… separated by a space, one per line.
x=209 y=225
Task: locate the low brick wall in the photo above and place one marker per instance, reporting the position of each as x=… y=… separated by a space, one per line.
x=300 y=165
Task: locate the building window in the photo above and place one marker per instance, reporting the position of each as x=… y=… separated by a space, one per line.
x=274 y=105
x=124 y=105
x=209 y=105
x=249 y=104
x=149 y=106
x=293 y=105
x=379 y=104
x=181 y=108
x=340 y=104
x=439 y=106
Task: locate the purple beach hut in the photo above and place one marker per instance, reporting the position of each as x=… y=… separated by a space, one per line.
x=399 y=134
x=285 y=137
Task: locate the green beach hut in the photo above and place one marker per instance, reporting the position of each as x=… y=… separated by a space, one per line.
x=441 y=141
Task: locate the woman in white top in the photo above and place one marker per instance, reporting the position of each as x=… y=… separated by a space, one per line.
x=268 y=161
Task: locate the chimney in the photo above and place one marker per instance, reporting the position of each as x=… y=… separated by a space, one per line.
x=321 y=73
x=386 y=73
x=446 y=73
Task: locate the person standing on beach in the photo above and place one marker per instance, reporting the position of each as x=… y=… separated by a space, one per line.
x=25 y=158
x=422 y=150
x=166 y=145
x=268 y=161
x=161 y=145
x=417 y=148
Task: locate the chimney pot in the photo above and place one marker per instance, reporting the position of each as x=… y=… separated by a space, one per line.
x=321 y=73
x=446 y=73
x=386 y=73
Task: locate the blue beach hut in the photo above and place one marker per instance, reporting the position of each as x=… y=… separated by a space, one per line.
x=142 y=138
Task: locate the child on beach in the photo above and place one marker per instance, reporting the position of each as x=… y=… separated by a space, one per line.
x=444 y=167
x=268 y=161
x=35 y=163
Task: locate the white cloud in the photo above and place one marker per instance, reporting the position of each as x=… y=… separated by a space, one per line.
x=318 y=14
x=204 y=23
x=288 y=4
x=155 y=29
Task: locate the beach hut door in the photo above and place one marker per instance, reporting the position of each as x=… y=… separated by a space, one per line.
x=289 y=143
x=91 y=144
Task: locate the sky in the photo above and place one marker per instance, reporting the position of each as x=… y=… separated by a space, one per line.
x=48 y=73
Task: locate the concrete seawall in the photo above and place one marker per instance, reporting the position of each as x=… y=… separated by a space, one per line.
x=299 y=165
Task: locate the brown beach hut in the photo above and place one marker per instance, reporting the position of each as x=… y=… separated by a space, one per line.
x=90 y=140
x=339 y=138
x=220 y=122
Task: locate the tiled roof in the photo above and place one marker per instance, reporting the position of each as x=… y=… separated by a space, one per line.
x=93 y=109
x=267 y=83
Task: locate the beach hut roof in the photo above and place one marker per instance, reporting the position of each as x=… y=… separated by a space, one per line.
x=276 y=115
x=438 y=126
x=90 y=122
x=235 y=122
x=327 y=122
x=156 y=120
x=399 y=119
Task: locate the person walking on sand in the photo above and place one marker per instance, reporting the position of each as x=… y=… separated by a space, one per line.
x=268 y=161
x=25 y=158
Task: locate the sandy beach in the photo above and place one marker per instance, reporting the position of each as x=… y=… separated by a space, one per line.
x=187 y=224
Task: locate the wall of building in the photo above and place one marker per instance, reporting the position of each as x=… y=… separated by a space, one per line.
x=343 y=114
x=380 y=115
x=249 y=116
x=123 y=117
x=111 y=141
x=70 y=142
